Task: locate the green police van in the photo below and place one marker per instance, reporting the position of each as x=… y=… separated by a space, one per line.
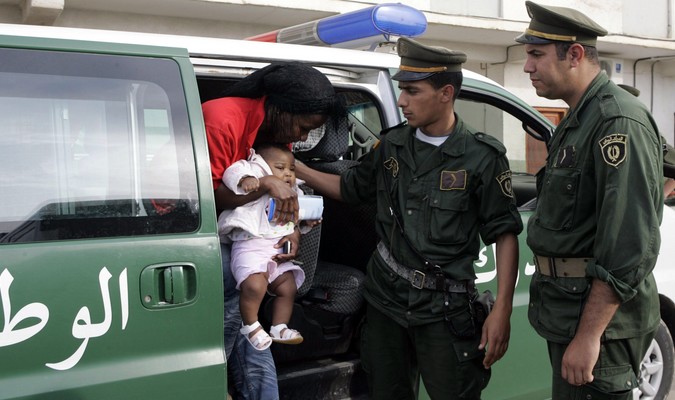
x=110 y=279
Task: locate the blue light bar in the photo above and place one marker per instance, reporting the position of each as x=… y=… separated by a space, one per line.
x=354 y=29
x=384 y=19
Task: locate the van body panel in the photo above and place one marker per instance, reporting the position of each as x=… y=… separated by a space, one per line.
x=110 y=275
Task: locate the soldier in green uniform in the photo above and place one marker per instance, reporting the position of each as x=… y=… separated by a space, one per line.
x=595 y=231
x=439 y=185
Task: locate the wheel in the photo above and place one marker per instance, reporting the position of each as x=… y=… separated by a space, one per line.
x=656 y=371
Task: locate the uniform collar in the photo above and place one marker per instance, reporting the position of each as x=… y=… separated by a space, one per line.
x=599 y=81
x=454 y=146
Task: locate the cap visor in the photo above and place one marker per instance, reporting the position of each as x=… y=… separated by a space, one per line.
x=529 y=39
x=406 y=76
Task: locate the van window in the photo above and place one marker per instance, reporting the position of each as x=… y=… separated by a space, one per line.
x=91 y=148
x=499 y=123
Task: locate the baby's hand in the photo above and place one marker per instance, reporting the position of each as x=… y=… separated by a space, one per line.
x=249 y=184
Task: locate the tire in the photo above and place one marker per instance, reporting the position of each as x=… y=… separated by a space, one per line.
x=656 y=371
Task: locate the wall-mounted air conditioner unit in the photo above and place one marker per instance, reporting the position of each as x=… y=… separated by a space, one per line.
x=613 y=67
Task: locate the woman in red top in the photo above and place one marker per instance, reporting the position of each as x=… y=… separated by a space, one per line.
x=280 y=103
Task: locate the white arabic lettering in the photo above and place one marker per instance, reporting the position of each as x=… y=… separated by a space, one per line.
x=487 y=276
x=9 y=335
x=82 y=326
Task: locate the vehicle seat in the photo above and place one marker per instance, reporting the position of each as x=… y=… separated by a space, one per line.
x=348 y=235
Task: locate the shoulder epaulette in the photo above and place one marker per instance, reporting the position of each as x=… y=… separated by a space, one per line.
x=609 y=106
x=391 y=128
x=490 y=141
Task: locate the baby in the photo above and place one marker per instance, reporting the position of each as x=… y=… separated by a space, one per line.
x=254 y=235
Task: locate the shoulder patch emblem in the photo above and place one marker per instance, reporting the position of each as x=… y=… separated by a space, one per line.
x=392 y=165
x=504 y=180
x=614 y=149
x=453 y=180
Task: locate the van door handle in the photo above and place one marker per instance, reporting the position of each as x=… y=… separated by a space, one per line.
x=168 y=285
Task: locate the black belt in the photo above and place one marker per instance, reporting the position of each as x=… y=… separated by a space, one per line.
x=421 y=280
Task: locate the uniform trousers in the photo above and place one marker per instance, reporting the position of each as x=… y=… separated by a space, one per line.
x=395 y=356
x=615 y=374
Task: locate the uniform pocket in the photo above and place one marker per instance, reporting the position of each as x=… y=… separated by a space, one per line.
x=555 y=209
x=459 y=317
x=471 y=374
x=557 y=303
x=613 y=381
x=446 y=213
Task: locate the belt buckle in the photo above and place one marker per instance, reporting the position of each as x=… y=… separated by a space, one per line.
x=417 y=280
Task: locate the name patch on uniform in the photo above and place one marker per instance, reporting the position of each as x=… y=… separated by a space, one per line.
x=504 y=180
x=453 y=180
x=392 y=165
x=613 y=148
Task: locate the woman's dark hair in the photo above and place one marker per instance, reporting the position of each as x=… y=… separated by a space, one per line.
x=292 y=88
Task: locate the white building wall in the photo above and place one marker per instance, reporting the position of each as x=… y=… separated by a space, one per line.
x=487 y=29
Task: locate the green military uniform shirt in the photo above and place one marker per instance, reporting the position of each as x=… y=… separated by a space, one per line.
x=601 y=197
x=447 y=196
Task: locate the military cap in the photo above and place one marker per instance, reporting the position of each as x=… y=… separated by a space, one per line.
x=550 y=24
x=419 y=61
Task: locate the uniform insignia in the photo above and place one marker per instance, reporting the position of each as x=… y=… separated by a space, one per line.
x=504 y=180
x=566 y=157
x=392 y=164
x=613 y=148
x=453 y=180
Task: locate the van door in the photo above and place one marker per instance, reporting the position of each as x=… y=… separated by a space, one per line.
x=110 y=279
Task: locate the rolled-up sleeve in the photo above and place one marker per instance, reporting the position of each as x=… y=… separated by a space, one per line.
x=630 y=197
x=498 y=212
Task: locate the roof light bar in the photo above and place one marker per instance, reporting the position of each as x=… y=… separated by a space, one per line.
x=359 y=28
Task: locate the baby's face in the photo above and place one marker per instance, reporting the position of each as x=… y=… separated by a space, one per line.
x=282 y=165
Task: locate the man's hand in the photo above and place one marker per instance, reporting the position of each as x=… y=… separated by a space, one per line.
x=579 y=360
x=583 y=351
x=496 y=334
x=294 y=238
x=285 y=197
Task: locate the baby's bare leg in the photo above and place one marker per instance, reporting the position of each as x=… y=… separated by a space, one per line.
x=253 y=290
x=284 y=288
